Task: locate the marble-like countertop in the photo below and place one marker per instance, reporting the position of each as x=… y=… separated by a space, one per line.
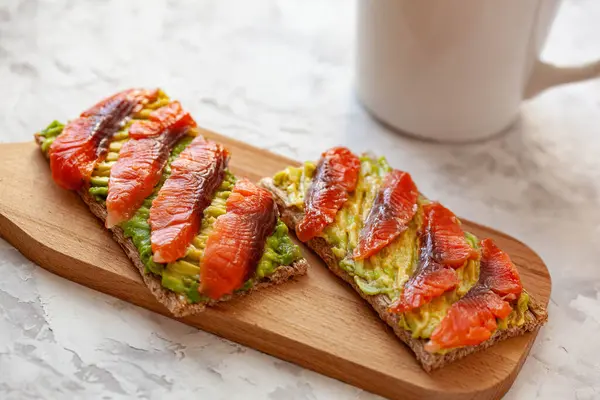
x=278 y=74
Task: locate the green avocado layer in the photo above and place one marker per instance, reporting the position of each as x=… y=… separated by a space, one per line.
x=49 y=134
x=387 y=271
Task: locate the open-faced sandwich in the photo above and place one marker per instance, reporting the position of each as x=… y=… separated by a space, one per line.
x=196 y=234
x=444 y=292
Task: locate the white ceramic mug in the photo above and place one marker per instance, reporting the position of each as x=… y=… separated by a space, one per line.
x=455 y=70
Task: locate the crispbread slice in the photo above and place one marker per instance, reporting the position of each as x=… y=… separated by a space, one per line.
x=535 y=317
x=174 y=302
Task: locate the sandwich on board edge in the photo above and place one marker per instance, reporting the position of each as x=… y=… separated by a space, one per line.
x=443 y=291
x=137 y=160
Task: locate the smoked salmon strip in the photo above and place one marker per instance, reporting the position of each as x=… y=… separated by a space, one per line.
x=443 y=248
x=176 y=212
x=237 y=240
x=138 y=169
x=472 y=320
x=448 y=243
x=393 y=208
x=84 y=141
x=499 y=273
x=172 y=116
x=336 y=176
x=432 y=281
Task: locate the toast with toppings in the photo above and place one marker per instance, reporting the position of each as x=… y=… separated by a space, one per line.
x=444 y=292
x=137 y=160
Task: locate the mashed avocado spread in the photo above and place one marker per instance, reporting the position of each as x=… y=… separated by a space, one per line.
x=49 y=134
x=387 y=271
x=181 y=276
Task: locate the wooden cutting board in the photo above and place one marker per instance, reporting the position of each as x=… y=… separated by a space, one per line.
x=317 y=321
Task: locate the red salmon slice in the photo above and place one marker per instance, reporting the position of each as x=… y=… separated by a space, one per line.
x=394 y=207
x=469 y=322
x=472 y=320
x=336 y=176
x=84 y=141
x=500 y=275
x=237 y=240
x=443 y=249
x=172 y=116
x=176 y=212
x=449 y=245
x=106 y=106
x=433 y=281
x=137 y=170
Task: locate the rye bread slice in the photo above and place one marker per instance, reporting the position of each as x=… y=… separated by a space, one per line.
x=176 y=303
x=535 y=317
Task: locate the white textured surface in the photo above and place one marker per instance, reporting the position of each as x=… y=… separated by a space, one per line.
x=278 y=74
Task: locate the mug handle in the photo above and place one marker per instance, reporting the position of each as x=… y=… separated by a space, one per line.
x=545 y=76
